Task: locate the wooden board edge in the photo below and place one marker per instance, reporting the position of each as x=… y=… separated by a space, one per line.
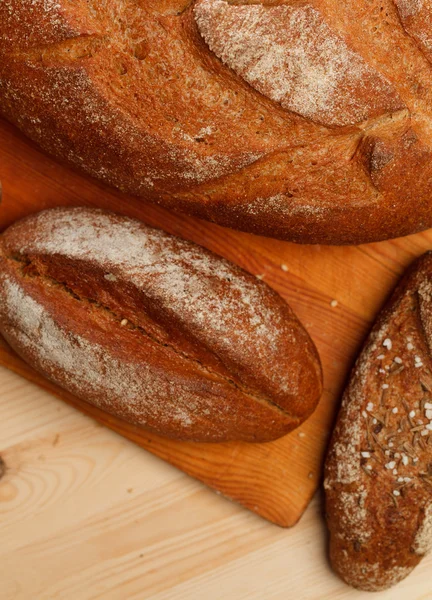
x=284 y=516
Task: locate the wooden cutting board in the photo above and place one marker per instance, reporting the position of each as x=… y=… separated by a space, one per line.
x=335 y=291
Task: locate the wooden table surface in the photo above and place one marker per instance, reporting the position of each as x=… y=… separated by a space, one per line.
x=86 y=514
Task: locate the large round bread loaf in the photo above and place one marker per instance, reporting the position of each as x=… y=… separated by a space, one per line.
x=154 y=329
x=307 y=120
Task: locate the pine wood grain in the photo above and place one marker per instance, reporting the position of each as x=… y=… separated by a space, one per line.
x=86 y=515
x=275 y=480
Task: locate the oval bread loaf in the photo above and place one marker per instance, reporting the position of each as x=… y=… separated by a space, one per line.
x=154 y=329
x=378 y=476
x=306 y=120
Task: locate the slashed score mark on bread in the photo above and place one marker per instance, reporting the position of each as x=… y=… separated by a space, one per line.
x=154 y=329
x=303 y=120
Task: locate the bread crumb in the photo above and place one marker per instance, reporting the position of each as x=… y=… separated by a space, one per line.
x=333 y=303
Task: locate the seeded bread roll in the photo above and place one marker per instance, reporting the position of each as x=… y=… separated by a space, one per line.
x=307 y=120
x=378 y=473
x=154 y=329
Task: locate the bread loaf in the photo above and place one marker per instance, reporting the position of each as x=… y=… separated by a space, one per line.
x=304 y=120
x=154 y=329
x=379 y=467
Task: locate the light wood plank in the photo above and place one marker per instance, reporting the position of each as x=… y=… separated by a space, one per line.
x=253 y=475
x=84 y=514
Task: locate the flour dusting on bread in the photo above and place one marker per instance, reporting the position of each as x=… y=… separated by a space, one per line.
x=423 y=540
x=81 y=361
x=292 y=56
x=154 y=328
x=379 y=479
x=409 y=8
x=131 y=389
x=205 y=291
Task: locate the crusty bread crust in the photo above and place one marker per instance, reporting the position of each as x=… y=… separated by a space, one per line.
x=307 y=121
x=154 y=329
x=378 y=477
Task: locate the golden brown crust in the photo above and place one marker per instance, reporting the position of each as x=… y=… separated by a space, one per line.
x=378 y=473
x=416 y=18
x=310 y=131
x=155 y=329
